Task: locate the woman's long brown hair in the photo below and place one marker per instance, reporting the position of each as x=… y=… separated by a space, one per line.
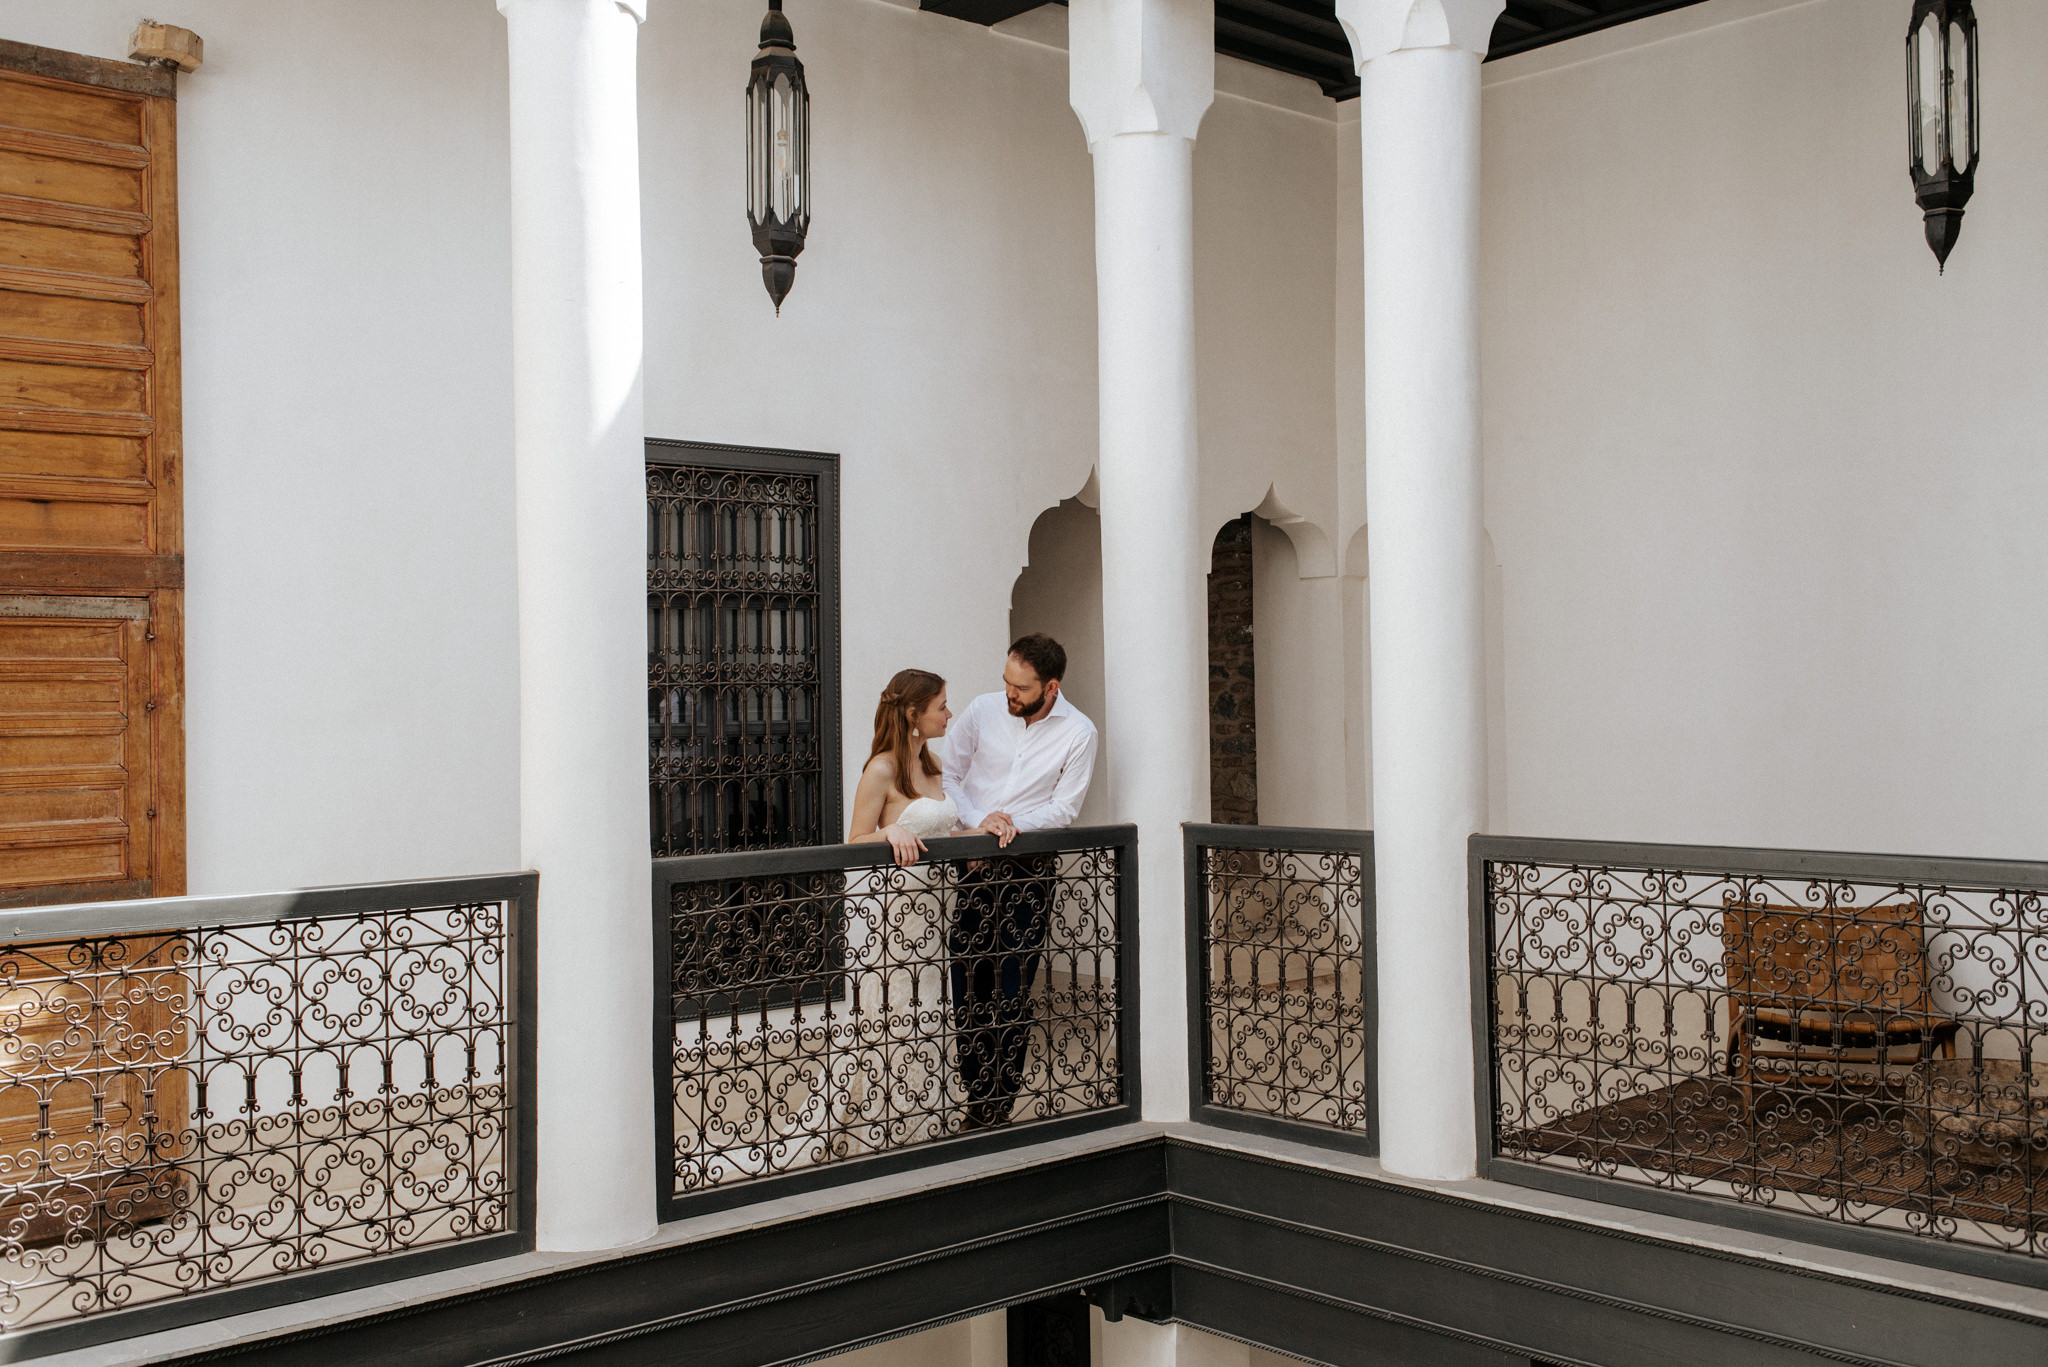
x=907 y=696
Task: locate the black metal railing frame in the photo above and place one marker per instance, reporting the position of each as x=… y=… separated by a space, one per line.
x=1713 y=861
x=1196 y=837
x=519 y=892
x=676 y=870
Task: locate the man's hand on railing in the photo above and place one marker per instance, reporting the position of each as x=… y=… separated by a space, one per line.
x=999 y=825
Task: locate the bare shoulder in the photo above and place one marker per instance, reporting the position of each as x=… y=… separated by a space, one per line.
x=881 y=766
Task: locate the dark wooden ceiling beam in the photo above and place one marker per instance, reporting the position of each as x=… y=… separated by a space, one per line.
x=979 y=11
x=1303 y=37
x=1519 y=18
x=1565 y=19
x=1314 y=54
x=1338 y=82
x=1302 y=15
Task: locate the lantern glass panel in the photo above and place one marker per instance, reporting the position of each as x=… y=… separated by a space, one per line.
x=757 y=153
x=1961 y=61
x=1930 y=101
x=782 y=148
x=800 y=158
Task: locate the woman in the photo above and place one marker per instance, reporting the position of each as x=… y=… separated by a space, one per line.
x=890 y=1080
x=900 y=798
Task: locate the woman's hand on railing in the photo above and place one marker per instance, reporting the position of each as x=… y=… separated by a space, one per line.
x=907 y=846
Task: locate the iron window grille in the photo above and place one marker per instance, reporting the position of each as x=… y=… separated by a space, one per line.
x=742 y=648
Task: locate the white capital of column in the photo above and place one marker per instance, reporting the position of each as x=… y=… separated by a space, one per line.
x=1142 y=74
x=636 y=8
x=1141 y=66
x=578 y=435
x=1418 y=64
x=1377 y=27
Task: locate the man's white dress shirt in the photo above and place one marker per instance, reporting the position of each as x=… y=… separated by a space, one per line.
x=1038 y=773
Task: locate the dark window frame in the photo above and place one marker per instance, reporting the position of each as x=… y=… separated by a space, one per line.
x=824 y=468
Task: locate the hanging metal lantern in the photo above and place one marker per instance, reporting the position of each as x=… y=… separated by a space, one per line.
x=1941 y=96
x=778 y=154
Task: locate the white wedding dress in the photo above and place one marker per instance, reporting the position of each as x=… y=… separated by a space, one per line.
x=894 y=1081
x=928 y=818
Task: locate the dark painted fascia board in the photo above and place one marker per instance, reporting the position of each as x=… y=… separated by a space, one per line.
x=799 y=1287
x=1344 y=1267
x=1557 y=1288
x=1322 y=1329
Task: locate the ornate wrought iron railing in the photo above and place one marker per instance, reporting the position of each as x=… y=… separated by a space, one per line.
x=1281 y=981
x=212 y=1104
x=824 y=1014
x=1843 y=1048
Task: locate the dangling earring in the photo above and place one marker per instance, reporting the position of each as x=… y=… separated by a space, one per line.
x=915 y=734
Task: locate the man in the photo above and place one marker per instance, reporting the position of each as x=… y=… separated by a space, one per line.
x=1016 y=761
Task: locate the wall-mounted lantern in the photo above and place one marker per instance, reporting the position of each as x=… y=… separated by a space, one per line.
x=1941 y=101
x=778 y=154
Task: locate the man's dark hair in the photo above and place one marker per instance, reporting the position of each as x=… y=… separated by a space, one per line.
x=1043 y=654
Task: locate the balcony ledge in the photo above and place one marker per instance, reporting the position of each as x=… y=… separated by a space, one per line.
x=1140 y=1194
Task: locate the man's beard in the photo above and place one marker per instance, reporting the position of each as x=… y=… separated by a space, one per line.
x=1034 y=711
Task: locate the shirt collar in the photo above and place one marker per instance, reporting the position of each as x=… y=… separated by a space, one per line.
x=1060 y=708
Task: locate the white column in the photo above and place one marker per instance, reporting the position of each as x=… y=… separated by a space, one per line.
x=578 y=434
x=988 y=1340
x=1418 y=65
x=1143 y=72
x=1132 y=1342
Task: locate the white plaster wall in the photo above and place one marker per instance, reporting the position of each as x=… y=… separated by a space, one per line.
x=941 y=334
x=1768 y=493
x=1060 y=593
x=977 y=1342
x=1347 y=354
x=351 y=675
x=351 y=670
x=1265 y=310
x=1298 y=659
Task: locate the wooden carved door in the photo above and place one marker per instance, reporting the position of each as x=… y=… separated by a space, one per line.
x=91 y=674
x=91 y=538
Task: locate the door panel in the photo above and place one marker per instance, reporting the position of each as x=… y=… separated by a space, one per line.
x=74 y=773
x=91 y=553
x=91 y=661
x=49 y=106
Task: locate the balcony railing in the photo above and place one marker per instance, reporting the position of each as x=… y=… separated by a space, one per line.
x=1281 y=980
x=824 y=1013
x=1858 y=1039
x=210 y=1104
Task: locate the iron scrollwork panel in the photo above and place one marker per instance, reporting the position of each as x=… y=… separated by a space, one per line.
x=191 y=1110
x=888 y=1008
x=1282 y=978
x=1867 y=1050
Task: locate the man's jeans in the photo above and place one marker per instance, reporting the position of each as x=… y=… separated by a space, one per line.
x=998 y=937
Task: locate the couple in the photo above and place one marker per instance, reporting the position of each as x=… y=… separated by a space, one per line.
x=1016 y=761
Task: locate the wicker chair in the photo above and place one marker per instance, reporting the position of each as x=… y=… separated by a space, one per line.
x=1830 y=997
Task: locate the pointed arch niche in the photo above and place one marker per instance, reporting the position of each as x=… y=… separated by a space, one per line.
x=1059 y=593
x=1283 y=754
x=1301 y=736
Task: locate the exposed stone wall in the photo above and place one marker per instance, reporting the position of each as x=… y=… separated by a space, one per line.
x=1233 y=734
